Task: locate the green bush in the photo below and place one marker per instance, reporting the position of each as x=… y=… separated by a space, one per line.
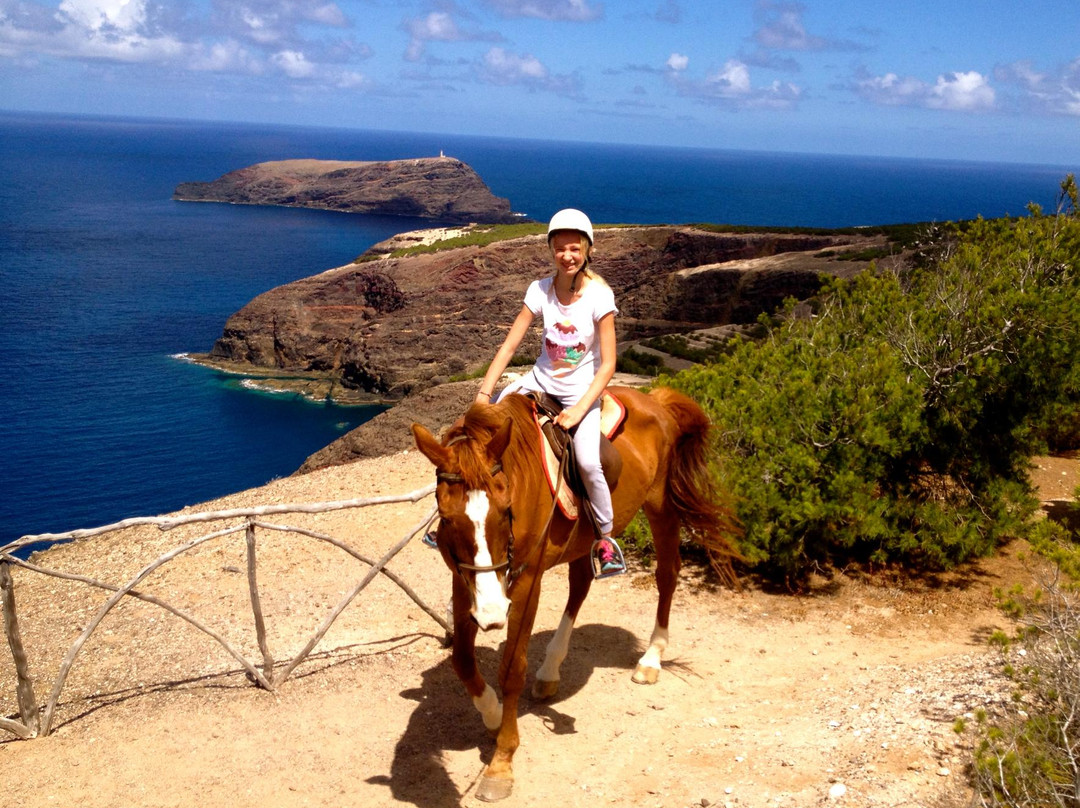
x=636 y=539
x=896 y=424
x=640 y=363
x=1026 y=755
x=679 y=346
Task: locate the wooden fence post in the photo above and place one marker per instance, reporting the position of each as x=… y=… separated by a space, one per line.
x=256 y=604
x=24 y=686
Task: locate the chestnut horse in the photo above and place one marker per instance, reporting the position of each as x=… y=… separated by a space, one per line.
x=499 y=531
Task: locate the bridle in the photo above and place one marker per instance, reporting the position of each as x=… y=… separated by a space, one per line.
x=508 y=565
x=512 y=572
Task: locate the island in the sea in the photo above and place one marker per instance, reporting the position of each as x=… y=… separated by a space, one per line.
x=442 y=188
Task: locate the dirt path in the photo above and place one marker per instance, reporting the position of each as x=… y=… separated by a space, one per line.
x=765 y=699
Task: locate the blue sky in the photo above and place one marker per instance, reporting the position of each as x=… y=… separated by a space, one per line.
x=988 y=81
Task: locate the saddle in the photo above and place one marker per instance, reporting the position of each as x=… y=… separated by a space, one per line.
x=555 y=442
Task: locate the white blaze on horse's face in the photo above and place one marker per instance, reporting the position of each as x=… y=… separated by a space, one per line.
x=490 y=604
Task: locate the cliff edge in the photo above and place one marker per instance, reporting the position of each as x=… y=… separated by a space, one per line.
x=442 y=188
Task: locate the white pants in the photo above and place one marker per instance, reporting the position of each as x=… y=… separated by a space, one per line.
x=586 y=449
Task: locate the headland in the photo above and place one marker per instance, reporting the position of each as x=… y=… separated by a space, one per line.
x=441 y=188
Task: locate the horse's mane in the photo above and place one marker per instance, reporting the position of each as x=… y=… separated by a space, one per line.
x=467 y=437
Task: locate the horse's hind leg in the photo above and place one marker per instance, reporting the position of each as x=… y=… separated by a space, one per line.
x=664 y=523
x=546 y=684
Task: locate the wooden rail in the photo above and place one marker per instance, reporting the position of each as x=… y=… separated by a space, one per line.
x=37 y=721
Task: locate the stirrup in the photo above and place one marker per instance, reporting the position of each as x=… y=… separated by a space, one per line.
x=616 y=565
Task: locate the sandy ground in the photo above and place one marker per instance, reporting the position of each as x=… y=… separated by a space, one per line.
x=845 y=695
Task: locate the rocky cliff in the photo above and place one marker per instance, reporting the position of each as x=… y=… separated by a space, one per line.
x=391 y=326
x=440 y=188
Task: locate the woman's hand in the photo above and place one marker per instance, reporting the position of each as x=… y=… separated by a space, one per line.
x=571 y=416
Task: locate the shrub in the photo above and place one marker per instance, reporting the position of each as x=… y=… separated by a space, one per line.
x=679 y=346
x=1030 y=756
x=640 y=363
x=636 y=539
x=896 y=424
x=806 y=423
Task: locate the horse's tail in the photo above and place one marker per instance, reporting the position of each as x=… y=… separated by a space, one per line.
x=690 y=486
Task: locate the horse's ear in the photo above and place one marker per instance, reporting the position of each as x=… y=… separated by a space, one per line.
x=501 y=439
x=429 y=446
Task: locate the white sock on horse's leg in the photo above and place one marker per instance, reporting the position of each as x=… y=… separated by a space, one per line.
x=648 y=667
x=490 y=709
x=556 y=650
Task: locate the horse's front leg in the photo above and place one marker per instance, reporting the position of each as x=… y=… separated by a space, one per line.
x=498 y=779
x=547 y=677
x=464 y=660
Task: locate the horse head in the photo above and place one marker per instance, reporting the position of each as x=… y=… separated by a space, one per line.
x=475 y=533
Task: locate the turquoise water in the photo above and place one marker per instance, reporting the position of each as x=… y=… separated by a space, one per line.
x=104 y=280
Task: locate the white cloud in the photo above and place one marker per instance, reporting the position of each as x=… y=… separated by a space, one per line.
x=439 y=26
x=560 y=10
x=892 y=90
x=228 y=56
x=293 y=64
x=678 y=61
x=782 y=28
x=111 y=30
x=733 y=79
x=247 y=38
x=963 y=91
x=732 y=85
x=94 y=15
x=1056 y=92
x=351 y=80
x=328 y=14
x=275 y=24
x=502 y=67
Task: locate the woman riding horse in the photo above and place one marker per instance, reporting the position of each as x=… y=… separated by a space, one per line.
x=500 y=530
x=576 y=363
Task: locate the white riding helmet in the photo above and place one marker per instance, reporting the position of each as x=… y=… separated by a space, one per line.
x=570 y=219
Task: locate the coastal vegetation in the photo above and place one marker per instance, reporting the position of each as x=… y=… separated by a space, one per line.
x=896 y=422
x=895 y=426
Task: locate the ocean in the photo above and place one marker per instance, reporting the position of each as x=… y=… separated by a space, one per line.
x=105 y=282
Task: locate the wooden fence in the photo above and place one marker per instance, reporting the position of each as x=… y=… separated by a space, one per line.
x=37 y=721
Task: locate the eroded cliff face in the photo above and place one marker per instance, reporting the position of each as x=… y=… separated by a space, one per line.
x=393 y=326
x=440 y=188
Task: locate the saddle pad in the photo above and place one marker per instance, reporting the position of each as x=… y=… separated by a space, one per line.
x=612 y=413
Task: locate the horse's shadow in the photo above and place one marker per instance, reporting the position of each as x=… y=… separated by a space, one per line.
x=445 y=719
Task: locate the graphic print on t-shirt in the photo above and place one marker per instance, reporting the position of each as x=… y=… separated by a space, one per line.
x=563 y=345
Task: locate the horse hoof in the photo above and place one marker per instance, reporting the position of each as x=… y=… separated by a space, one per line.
x=493 y=789
x=543 y=690
x=644 y=675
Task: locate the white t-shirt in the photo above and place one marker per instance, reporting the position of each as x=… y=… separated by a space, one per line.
x=570 y=355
